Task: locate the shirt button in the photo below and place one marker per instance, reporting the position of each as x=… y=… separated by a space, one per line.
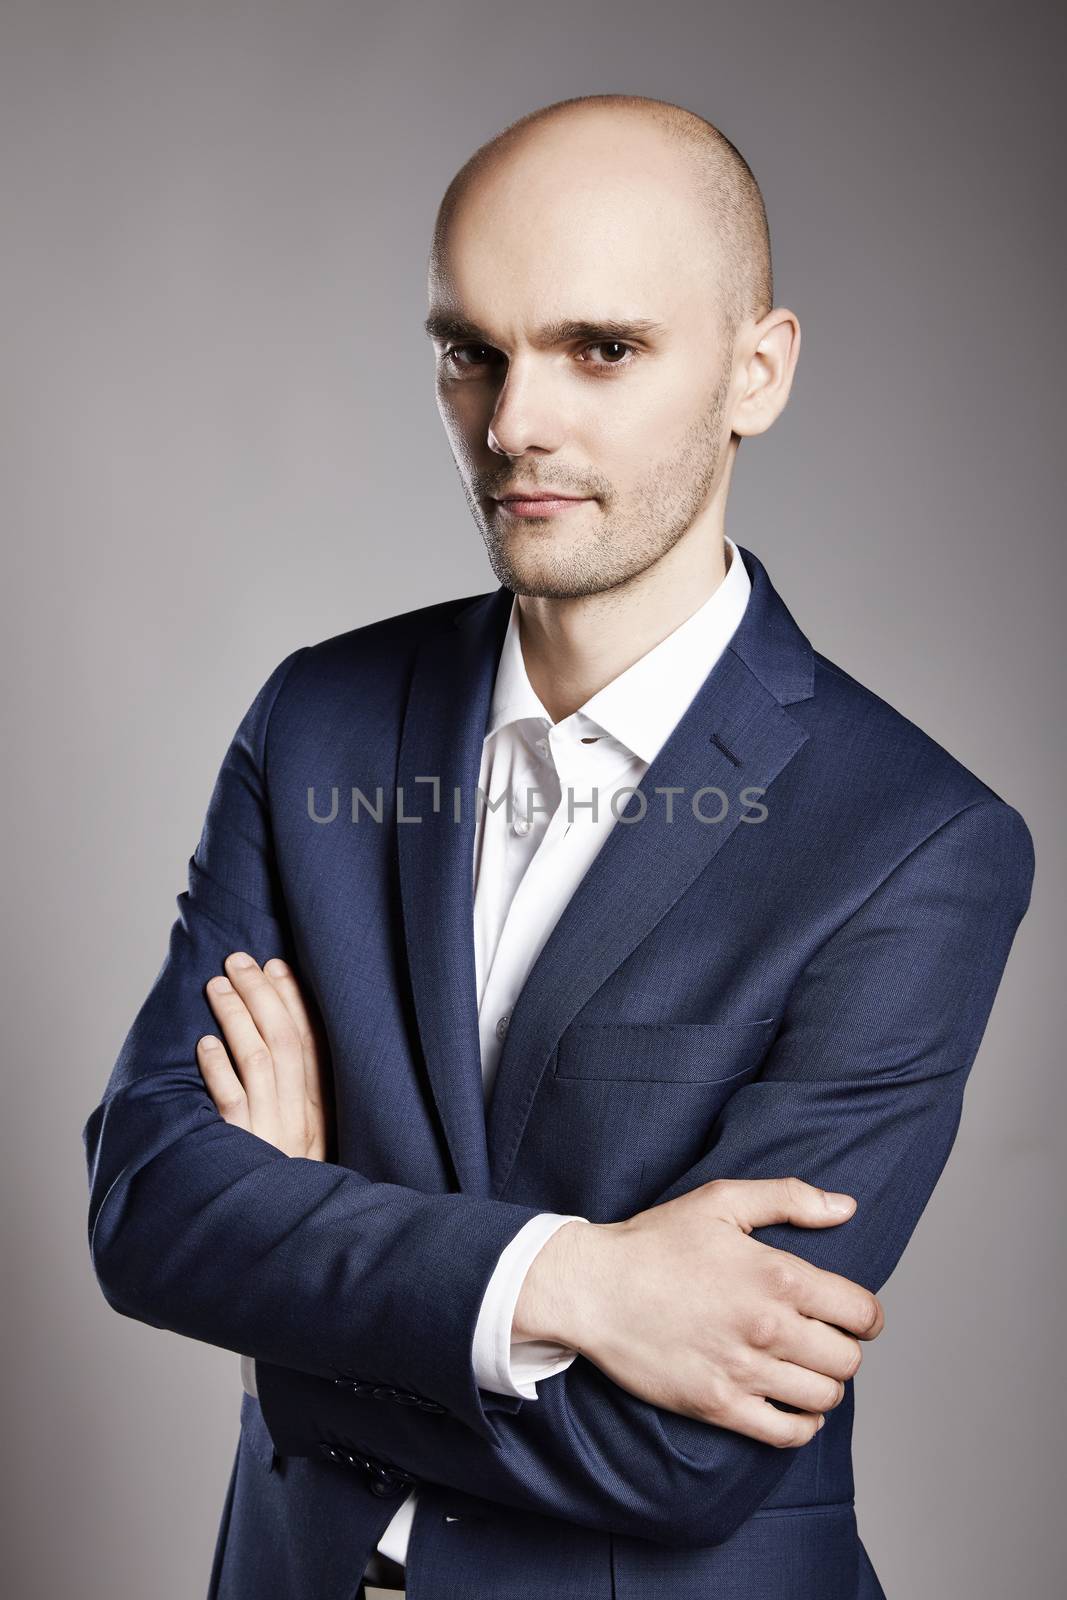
x=520 y=826
x=542 y=745
x=502 y=1025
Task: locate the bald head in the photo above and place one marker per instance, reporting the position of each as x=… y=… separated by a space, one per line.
x=728 y=199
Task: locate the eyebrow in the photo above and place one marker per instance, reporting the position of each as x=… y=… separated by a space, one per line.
x=443 y=325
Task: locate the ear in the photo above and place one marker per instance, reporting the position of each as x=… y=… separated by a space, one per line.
x=768 y=353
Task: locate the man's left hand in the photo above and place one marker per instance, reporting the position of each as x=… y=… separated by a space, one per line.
x=279 y=1083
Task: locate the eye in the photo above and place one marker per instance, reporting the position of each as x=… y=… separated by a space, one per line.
x=467 y=357
x=614 y=345
x=457 y=350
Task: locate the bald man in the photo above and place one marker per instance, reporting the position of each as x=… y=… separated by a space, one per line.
x=541 y=1120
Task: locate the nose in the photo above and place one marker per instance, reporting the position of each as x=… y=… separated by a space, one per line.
x=528 y=414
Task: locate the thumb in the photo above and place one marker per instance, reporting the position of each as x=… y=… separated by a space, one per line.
x=761 y=1201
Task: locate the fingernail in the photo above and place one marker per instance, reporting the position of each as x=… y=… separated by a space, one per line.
x=209 y=1042
x=220 y=986
x=821 y=1421
x=276 y=967
x=838 y=1202
x=241 y=960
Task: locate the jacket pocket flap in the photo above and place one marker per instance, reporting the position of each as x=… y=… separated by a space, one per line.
x=663 y=1052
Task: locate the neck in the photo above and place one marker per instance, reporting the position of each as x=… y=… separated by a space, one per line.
x=573 y=647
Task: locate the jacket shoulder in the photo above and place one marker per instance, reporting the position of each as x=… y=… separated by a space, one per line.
x=351 y=685
x=404 y=629
x=375 y=658
x=878 y=768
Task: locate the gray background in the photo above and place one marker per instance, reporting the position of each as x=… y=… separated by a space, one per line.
x=220 y=442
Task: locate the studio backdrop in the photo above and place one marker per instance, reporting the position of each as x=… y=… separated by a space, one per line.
x=220 y=443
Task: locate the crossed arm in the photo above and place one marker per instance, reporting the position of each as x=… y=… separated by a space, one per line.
x=887 y=1130
x=209 y=1230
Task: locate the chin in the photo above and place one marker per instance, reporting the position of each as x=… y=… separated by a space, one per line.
x=553 y=586
x=543 y=580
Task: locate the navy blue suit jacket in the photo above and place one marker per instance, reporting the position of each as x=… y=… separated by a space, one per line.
x=797 y=988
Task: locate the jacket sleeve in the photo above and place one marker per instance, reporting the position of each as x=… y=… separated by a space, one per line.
x=861 y=1092
x=209 y=1231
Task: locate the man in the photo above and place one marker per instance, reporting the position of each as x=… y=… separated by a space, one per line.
x=505 y=1092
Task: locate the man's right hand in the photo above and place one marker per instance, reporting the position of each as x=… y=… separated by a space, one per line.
x=680 y=1307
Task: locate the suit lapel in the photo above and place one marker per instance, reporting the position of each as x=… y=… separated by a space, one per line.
x=444 y=729
x=734 y=735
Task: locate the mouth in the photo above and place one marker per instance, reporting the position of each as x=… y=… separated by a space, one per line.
x=539 y=505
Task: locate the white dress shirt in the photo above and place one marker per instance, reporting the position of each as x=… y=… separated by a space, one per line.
x=529 y=858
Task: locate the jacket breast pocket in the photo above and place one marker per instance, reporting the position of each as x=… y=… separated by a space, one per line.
x=626 y=1107
x=663 y=1052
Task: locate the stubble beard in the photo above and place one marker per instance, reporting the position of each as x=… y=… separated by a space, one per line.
x=622 y=542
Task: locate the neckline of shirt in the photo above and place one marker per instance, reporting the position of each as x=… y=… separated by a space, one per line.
x=638 y=708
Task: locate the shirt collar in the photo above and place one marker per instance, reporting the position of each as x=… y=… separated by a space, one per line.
x=641 y=706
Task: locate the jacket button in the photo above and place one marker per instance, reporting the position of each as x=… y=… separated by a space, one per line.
x=385 y=1488
x=358 y=1386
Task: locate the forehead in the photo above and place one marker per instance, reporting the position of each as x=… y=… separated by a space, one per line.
x=594 y=223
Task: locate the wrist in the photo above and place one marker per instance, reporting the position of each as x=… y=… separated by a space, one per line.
x=557 y=1301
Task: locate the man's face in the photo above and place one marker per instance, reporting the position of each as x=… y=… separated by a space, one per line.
x=634 y=419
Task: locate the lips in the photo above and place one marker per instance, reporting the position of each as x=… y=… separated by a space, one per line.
x=540 y=507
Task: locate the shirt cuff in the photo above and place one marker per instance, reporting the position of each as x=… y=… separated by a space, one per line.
x=502 y=1365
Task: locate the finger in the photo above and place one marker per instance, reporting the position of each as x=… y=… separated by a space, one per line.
x=251 y=1058
x=309 y=1027
x=816 y=1346
x=798 y=1386
x=222 y=1083
x=826 y=1295
x=759 y=1419
x=275 y=1026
